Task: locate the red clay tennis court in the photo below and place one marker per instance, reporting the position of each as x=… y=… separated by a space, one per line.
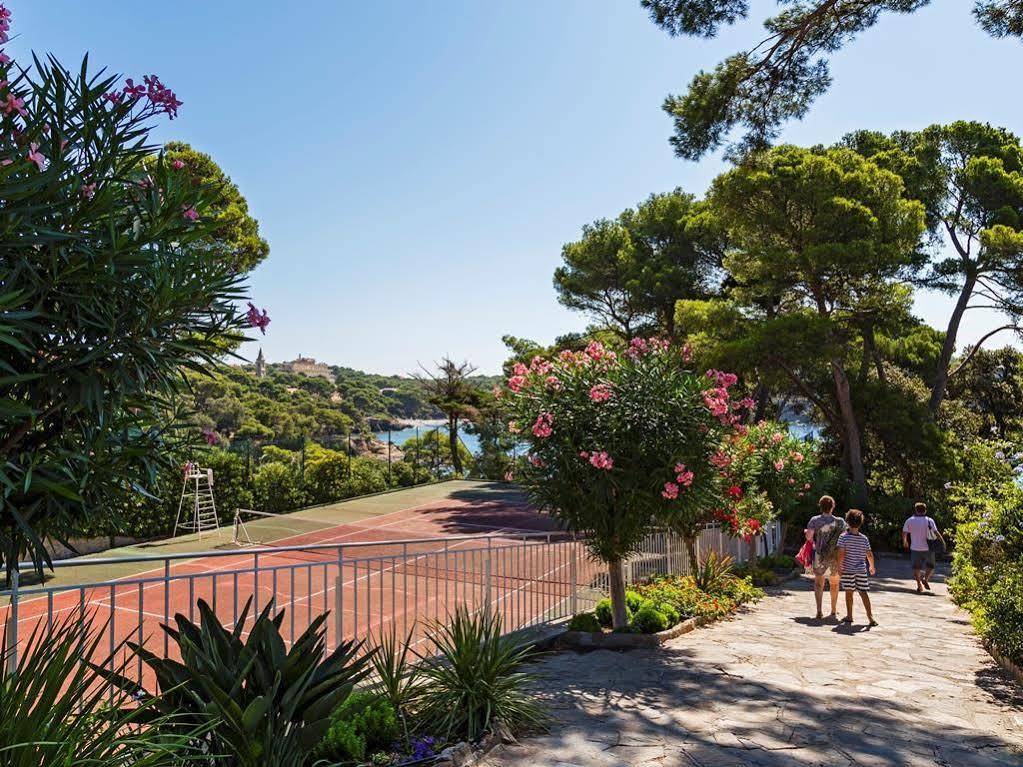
x=395 y=561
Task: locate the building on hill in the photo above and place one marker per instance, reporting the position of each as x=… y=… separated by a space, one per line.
x=260 y=364
x=307 y=366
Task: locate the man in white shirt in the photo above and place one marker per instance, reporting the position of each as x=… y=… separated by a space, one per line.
x=917 y=534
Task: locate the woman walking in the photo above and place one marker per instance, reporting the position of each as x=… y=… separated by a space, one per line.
x=823 y=531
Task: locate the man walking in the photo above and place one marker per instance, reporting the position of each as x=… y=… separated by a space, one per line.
x=920 y=535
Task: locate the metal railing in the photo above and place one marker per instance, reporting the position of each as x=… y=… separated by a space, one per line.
x=370 y=587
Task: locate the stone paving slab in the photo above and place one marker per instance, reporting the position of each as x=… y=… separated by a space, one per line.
x=774 y=688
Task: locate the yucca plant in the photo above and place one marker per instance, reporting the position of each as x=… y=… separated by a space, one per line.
x=397 y=675
x=264 y=705
x=474 y=680
x=57 y=711
x=713 y=573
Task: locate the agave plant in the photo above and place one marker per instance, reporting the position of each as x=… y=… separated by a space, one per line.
x=57 y=710
x=474 y=680
x=263 y=704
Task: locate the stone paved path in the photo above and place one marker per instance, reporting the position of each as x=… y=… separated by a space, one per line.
x=772 y=687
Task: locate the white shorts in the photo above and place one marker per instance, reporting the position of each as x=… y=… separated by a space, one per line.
x=855 y=582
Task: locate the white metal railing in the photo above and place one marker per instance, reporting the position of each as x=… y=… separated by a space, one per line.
x=369 y=587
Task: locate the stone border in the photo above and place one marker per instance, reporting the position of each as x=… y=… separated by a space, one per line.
x=1006 y=663
x=585 y=640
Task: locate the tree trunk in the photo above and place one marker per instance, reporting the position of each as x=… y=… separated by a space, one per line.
x=850 y=433
x=456 y=459
x=616 y=587
x=948 y=349
x=690 y=544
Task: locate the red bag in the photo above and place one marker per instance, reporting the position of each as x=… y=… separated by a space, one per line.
x=805 y=555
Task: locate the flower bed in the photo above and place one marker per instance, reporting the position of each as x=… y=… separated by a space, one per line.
x=661 y=608
x=768 y=571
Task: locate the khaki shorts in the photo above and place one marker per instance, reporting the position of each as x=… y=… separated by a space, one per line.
x=825 y=568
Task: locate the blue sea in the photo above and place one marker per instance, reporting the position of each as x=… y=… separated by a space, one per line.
x=400 y=436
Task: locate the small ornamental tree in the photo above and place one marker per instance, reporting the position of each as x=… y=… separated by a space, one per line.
x=767 y=473
x=619 y=442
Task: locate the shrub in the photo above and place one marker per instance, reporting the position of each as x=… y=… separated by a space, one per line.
x=55 y=710
x=262 y=704
x=362 y=725
x=588 y=621
x=758 y=574
x=648 y=620
x=277 y=488
x=618 y=440
x=474 y=680
x=633 y=600
x=397 y=677
x=1000 y=617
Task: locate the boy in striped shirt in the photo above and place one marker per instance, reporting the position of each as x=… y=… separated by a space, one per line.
x=855 y=560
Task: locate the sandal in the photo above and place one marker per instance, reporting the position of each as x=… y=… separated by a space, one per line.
x=873 y=623
x=846 y=619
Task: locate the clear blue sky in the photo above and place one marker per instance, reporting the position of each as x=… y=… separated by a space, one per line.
x=416 y=167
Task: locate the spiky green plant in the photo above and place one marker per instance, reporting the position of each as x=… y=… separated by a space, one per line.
x=57 y=711
x=474 y=680
x=397 y=675
x=713 y=573
x=264 y=705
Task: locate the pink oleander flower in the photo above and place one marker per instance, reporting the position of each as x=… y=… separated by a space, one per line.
x=776 y=437
x=508 y=476
x=34 y=155
x=687 y=353
x=178 y=164
x=497 y=391
x=88 y=191
x=210 y=435
x=670 y=491
x=535 y=460
x=720 y=459
x=716 y=401
x=600 y=393
x=637 y=347
x=806 y=486
x=685 y=477
x=723 y=380
x=4 y=59
x=113 y=97
x=741 y=429
x=792 y=481
x=515 y=383
x=602 y=461
x=584 y=455
x=133 y=91
x=796 y=456
x=542 y=427
x=553 y=382
x=595 y=350
x=735 y=492
x=190 y=213
x=518 y=369
x=13 y=104
x=258 y=319
x=779 y=465
x=540 y=366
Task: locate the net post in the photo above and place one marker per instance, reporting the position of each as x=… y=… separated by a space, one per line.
x=11 y=630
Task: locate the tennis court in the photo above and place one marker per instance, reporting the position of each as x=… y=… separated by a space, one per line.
x=394 y=561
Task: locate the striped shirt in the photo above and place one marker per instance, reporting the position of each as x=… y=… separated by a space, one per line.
x=856 y=546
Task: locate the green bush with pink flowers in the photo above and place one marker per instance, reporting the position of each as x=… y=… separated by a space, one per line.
x=619 y=441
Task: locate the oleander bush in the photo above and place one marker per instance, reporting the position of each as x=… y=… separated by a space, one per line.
x=56 y=710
